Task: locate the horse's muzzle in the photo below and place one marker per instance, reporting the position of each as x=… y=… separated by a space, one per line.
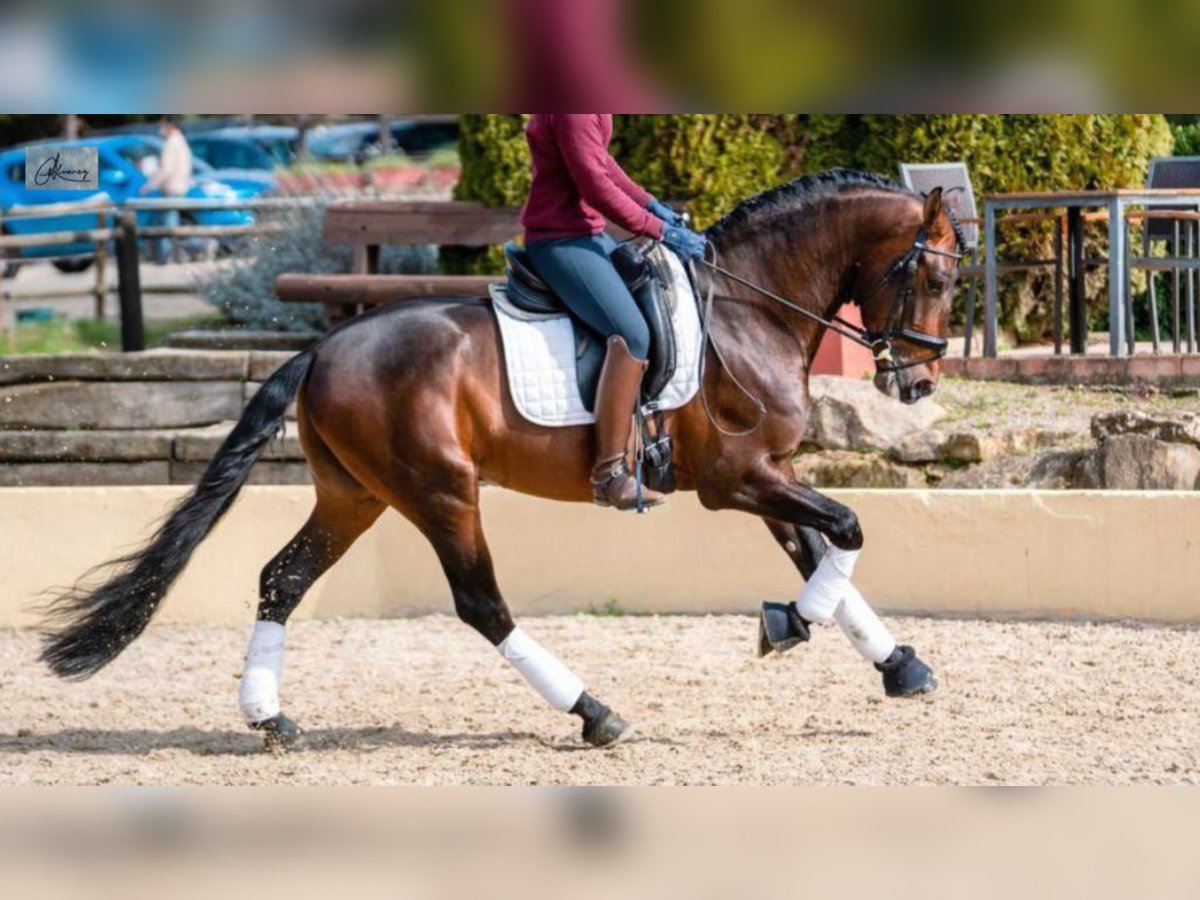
x=917 y=390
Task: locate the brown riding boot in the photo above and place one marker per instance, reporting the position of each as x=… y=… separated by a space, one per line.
x=616 y=397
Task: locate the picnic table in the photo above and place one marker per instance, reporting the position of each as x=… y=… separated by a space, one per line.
x=1117 y=205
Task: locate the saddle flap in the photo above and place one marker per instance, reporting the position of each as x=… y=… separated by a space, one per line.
x=648 y=277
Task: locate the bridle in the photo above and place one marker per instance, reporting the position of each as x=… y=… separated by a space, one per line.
x=880 y=343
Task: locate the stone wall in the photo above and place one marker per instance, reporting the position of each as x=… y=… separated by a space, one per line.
x=132 y=418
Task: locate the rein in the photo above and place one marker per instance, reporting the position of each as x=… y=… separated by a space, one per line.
x=878 y=342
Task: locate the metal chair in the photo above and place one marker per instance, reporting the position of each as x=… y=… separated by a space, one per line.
x=1179 y=229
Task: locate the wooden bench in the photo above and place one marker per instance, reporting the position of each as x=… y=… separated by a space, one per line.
x=367 y=225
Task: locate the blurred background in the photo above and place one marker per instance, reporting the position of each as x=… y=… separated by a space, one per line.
x=1046 y=56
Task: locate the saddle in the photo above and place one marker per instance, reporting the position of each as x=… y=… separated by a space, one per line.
x=647 y=282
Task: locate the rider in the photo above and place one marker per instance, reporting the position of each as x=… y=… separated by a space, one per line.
x=577 y=186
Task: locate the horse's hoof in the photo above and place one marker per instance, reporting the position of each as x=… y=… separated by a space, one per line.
x=280 y=734
x=904 y=675
x=606 y=730
x=780 y=628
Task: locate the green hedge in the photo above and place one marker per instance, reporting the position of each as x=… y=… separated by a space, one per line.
x=710 y=162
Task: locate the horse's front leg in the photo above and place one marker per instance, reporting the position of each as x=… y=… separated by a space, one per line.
x=804 y=545
x=780 y=626
x=797 y=517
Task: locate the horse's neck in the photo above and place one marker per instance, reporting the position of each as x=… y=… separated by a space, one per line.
x=812 y=266
x=809 y=273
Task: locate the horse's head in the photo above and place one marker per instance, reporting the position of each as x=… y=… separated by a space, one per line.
x=906 y=305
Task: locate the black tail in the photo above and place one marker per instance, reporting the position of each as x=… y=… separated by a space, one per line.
x=97 y=623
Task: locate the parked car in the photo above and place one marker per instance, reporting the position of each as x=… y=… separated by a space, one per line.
x=350 y=141
x=122 y=173
x=342 y=142
x=250 y=147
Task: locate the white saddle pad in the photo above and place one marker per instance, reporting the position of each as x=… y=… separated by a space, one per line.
x=539 y=351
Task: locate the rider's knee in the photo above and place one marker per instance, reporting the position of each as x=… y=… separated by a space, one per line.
x=845 y=531
x=637 y=337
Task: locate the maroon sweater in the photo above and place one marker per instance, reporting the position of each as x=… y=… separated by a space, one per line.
x=576 y=182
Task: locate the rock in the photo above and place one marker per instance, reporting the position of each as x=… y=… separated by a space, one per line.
x=1137 y=462
x=119 y=404
x=970 y=447
x=842 y=469
x=1045 y=438
x=850 y=414
x=1056 y=471
x=1003 y=473
x=1088 y=475
x=976 y=447
x=1176 y=428
x=919 y=448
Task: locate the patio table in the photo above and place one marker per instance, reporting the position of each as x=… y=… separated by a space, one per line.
x=1116 y=203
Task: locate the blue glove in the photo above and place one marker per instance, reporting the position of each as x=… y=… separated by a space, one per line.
x=685 y=242
x=664 y=212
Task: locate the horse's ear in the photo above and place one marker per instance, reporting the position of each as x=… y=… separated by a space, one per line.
x=933 y=207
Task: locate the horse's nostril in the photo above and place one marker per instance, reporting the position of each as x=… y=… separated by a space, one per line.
x=924 y=388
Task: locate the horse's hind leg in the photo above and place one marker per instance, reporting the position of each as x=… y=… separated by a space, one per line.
x=450 y=520
x=343 y=512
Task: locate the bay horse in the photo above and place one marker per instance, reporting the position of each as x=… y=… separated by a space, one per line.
x=408 y=406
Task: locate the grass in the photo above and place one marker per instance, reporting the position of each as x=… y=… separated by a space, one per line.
x=61 y=336
x=988 y=405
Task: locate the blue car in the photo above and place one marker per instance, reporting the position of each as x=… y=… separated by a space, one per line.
x=415 y=136
x=121 y=177
x=262 y=148
x=245 y=156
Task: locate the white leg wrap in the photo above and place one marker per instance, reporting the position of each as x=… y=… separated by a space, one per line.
x=258 y=694
x=556 y=683
x=829 y=595
x=828 y=586
x=863 y=627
